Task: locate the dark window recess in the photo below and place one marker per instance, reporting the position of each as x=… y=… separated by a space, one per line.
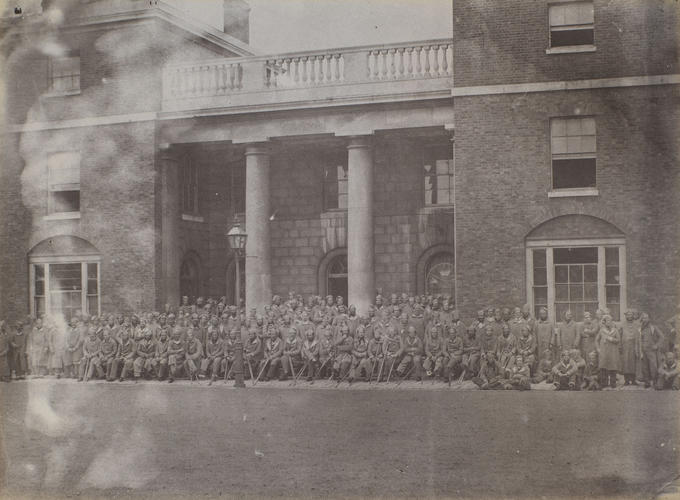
x=573 y=173
x=565 y=38
x=65 y=201
x=577 y=255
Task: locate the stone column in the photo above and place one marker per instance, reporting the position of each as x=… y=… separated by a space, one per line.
x=258 y=254
x=170 y=206
x=361 y=289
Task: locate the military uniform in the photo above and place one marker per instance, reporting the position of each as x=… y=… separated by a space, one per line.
x=104 y=361
x=125 y=355
x=214 y=351
x=490 y=374
x=159 y=362
x=194 y=354
x=343 y=358
x=18 y=344
x=454 y=354
x=651 y=341
x=292 y=349
x=176 y=353
x=310 y=357
x=360 y=361
x=517 y=377
x=434 y=356
x=564 y=374
x=91 y=348
x=412 y=350
x=668 y=375
x=273 y=349
x=391 y=347
x=145 y=352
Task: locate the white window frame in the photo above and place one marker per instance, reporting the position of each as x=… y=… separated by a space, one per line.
x=566 y=27
x=450 y=189
x=577 y=191
x=54 y=62
x=47 y=261
x=51 y=214
x=601 y=244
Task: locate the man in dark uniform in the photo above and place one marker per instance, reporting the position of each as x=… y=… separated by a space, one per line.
x=145 y=351
x=125 y=355
x=360 y=361
x=564 y=373
x=176 y=352
x=194 y=353
x=91 y=347
x=273 y=350
x=310 y=355
x=411 y=352
x=651 y=342
x=343 y=357
x=668 y=373
x=434 y=353
x=213 y=356
x=159 y=362
x=107 y=351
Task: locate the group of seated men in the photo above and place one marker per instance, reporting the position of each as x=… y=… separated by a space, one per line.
x=400 y=338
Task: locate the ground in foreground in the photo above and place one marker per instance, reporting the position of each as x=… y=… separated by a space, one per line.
x=63 y=438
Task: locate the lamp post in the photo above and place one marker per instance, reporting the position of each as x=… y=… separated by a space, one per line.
x=236 y=237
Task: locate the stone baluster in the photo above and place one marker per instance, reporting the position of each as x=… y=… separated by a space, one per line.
x=435 y=64
x=445 y=60
x=418 y=63
x=409 y=60
x=426 y=51
x=296 y=65
x=400 y=53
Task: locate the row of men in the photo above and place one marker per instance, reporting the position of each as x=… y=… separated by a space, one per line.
x=345 y=356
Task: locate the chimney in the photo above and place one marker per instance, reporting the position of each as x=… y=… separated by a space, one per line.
x=236 y=19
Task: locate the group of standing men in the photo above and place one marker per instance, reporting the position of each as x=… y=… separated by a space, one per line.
x=400 y=337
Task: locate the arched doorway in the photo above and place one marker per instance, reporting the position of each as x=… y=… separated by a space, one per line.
x=435 y=272
x=190 y=277
x=333 y=274
x=336 y=277
x=439 y=275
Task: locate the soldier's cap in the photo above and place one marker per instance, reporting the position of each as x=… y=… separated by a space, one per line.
x=171 y=315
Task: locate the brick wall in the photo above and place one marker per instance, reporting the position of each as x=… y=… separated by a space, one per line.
x=503 y=157
x=117 y=182
x=505 y=42
x=120 y=71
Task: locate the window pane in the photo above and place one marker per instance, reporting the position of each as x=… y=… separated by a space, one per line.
x=559 y=145
x=39 y=305
x=560 y=309
x=612 y=274
x=65 y=277
x=442 y=197
x=613 y=294
x=615 y=311
x=442 y=182
x=342 y=201
x=565 y=38
x=575 y=274
x=428 y=198
x=39 y=287
x=92 y=287
x=611 y=256
x=573 y=173
x=540 y=295
x=578 y=255
x=92 y=271
x=442 y=167
x=539 y=258
x=540 y=276
x=561 y=274
x=575 y=292
x=577 y=311
x=590 y=292
x=65 y=201
x=92 y=305
x=562 y=293
x=590 y=274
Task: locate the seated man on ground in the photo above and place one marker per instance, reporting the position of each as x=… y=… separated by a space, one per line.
x=668 y=373
x=517 y=376
x=411 y=352
x=544 y=372
x=591 y=373
x=490 y=375
x=564 y=373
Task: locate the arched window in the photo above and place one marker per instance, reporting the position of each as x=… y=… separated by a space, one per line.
x=189 y=278
x=64 y=277
x=333 y=274
x=439 y=276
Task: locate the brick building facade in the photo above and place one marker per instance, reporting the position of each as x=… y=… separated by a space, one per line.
x=342 y=163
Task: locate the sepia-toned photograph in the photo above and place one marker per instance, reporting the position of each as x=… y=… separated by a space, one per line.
x=340 y=249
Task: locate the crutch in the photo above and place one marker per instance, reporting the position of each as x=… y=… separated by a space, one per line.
x=370 y=378
x=380 y=370
x=250 y=369
x=322 y=365
x=86 y=376
x=292 y=368
x=266 y=362
x=295 y=377
x=394 y=360
x=228 y=372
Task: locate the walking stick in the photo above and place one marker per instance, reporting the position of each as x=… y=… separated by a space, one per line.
x=380 y=370
x=292 y=368
x=295 y=377
x=460 y=380
x=228 y=372
x=370 y=378
x=250 y=369
x=86 y=376
x=266 y=362
x=394 y=360
x=322 y=365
